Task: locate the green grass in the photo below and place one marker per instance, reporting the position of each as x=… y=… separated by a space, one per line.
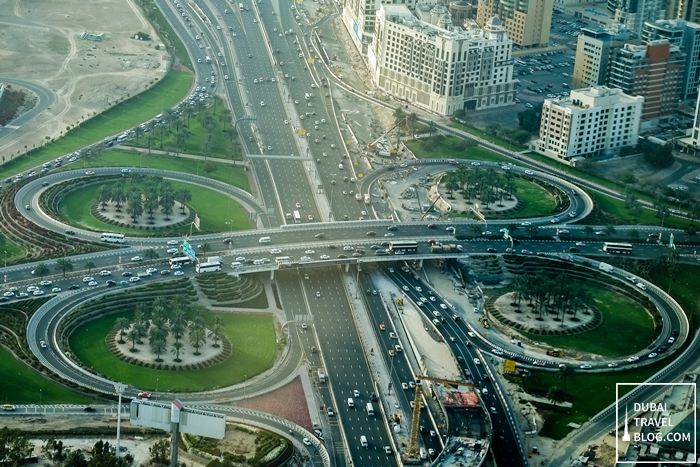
x=617 y=209
x=683 y=288
x=209 y=205
x=13 y=250
x=590 y=393
x=537 y=200
x=156 y=16
x=619 y=312
x=171 y=89
x=254 y=350
x=447 y=150
x=21 y=385
x=484 y=135
x=226 y=173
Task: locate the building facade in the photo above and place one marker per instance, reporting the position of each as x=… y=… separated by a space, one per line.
x=654 y=71
x=686 y=35
x=439 y=67
x=590 y=122
x=594 y=52
x=526 y=22
x=634 y=13
x=359 y=17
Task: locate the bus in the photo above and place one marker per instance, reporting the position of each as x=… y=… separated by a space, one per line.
x=181 y=260
x=623 y=248
x=112 y=237
x=297 y=217
x=399 y=248
x=208 y=267
x=283 y=259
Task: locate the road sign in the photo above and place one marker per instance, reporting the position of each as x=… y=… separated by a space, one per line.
x=187 y=248
x=670 y=240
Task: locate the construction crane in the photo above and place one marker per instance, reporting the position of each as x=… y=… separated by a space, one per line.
x=428 y=210
x=415 y=422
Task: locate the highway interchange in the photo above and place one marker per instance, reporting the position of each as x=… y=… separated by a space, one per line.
x=283 y=182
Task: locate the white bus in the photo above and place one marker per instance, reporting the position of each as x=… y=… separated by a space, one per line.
x=297 y=217
x=112 y=237
x=181 y=260
x=208 y=267
x=283 y=259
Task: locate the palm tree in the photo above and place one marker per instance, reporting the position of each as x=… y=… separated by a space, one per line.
x=170 y=117
x=556 y=394
x=151 y=203
x=177 y=348
x=565 y=373
x=41 y=270
x=64 y=265
x=610 y=229
x=633 y=233
x=225 y=116
x=205 y=248
x=178 y=323
x=208 y=144
x=216 y=331
x=167 y=201
x=431 y=127
x=197 y=337
x=122 y=324
x=532 y=230
x=691 y=231
x=451 y=183
x=150 y=139
x=158 y=346
x=512 y=227
x=103 y=195
x=183 y=196
x=138 y=131
x=588 y=230
x=135 y=207
x=118 y=195
x=89 y=265
x=180 y=139
x=150 y=254
x=133 y=337
x=411 y=120
x=531 y=377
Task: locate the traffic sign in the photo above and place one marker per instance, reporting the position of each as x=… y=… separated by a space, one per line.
x=187 y=248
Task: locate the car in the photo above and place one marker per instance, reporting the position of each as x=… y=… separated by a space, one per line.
x=586 y=366
x=492 y=409
x=151 y=270
x=318 y=293
x=179 y=273
x=56 y=290
x=46 y=283
x=144 y=395
x=110 y=283
x=90 y=172
x=525 y=224
x=309 y=252
x=539 y=363
x=105 y=273
x=307 y=441
x=134 y=279
x=497 y=352
x=391 y=352
x=38 y=292
x=405 y=288
x=306 y=259
x=92 y=283
x=671 y=340
x=70 y=232
x=477 y=361
x=652 y=355
x=564 y=232
x=173 y=242
x=371 y=233
x=9 y=294
x=600 y=232
x=387 y=449
x=319 y=235
x=491 y=250
x=330 y=411
x=581 y=244
x=382 y=327
x=433 y=434
x=356 y=393
x=275 y=251
x=348 y=248
x=89 y=409
x=127 y=274
x=388 y=234
x=612 y=365
x=172 y=251
x=42 y=344
x=136 y=259
x=74 y=287
x=88 y=279
x=554 y=220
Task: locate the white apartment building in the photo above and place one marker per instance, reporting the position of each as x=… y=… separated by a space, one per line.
x=440 y=67
x=359 y=17
x=591 y=122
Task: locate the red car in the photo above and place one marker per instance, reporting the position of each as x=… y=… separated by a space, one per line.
x=382 y=327
x=144 y=395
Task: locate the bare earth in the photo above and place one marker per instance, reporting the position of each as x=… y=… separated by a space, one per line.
x=41 y=43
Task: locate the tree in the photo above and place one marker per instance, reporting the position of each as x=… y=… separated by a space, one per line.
x=183 y=196
x=138 y=131
x=451 y=183
x=133 y=337
x=411 y=120
x=529 y=120
x=178 y=322
x=431 y=127
x=160 y=452
x=150 y=139
x=588 y=230
x=205 y=248
x=532 y=377
x=135 y=207
x=565 y=373
x=103 y=195
x=556 y=394
x=151 y=203
x=197 y=337
x=75 y=459
x=208 y=144
x=167 y=201
x=177 y=348
x=521 y=137
x=690 y=232
x=150 y=253
x=476 y=229
x=399 y=116
x=41 y=270
x=658 y=156
x=122 y=324
x=216 y=331
x=532 y=230
x=158 y=346
x=459 y=114
x=610 y=229
x=64 y=265
x=89 y=265
x=180 y=139
x=633 y=233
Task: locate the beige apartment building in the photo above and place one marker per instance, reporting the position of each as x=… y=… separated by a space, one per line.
x=590 y=122
x=527 y=22
x=594 y=52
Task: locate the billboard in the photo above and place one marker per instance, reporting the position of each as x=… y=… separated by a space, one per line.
x=188 y=250
x=192 y=421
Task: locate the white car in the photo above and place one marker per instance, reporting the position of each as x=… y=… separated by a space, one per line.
x=134 y=279
x=38 y=292
x=9 y=294
x=46 y=283
x=88 y=279
x=105 y=273
x=172 y=251
x=56 y=289
x=325 y=257
x=309 y=252
x=136 y=258
x=348 y=248
x=175 y=266
x=477 y=361
x=179 y=273
x=42 y=344
x=307 y=441
x=404 y=386
x=151 y=270
x=173 y=242
x=529 y=172
x=275 y=251
x=388 y=234
x=286 y=122
x=305 y=259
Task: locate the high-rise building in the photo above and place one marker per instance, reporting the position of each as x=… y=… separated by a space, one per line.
x=527 y=22
x=687 y=36
x=591 y=122
x=695 y=135
x=653 y=71
x=439 y=67
x=634 y=13
x=359 y=17
x=594 y=51
x=688 y=10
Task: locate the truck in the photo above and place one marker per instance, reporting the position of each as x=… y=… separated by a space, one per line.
x=370 y=409
x=606 y=267
x=214 y=259
x=321 y=375
x=208 y=59
x=366 y=196
x=554 y=352
x=445 y=248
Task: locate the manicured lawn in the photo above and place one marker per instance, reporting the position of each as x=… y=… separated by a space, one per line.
x=21 y=385
x=590 y=393
x=13 y=250
x=484 y=135
x=448 y=149
x=227 y=173
x=626 y=328
x=170 y=90
x=683 y=288
x=209 y=204
x=647 y=217
x=254 y=351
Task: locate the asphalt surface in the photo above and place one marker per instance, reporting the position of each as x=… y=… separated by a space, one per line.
x=46 y=99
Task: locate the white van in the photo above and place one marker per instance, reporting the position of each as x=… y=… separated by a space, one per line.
x=236 y=264
x=363 y=441
x=264 y=240
x=351 y=403
x=258 y=262
x=423 y=453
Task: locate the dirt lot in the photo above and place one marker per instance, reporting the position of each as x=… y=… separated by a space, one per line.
x=41 y=44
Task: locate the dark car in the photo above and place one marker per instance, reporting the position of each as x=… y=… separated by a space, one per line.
x=89 y=409
x=342 y=256
x=6 y=299
x=422 y=429
x=392 y=227
x=491 y=250
x=74 y=287
x=573 y=249
x=431 y=226
x=331 y=247
x=70 y=232
x=371 y=233
x=227 y=240
x=110 y=283
x=127 y=274
x=373 y=397
x=460 y=359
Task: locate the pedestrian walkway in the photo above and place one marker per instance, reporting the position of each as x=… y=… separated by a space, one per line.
x=160 y=152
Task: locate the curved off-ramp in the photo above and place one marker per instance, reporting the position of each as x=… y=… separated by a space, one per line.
x=46 y=99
